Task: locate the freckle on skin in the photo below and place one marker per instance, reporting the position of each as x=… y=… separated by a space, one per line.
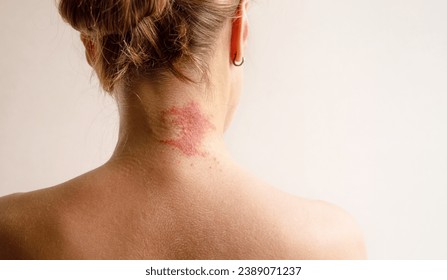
x=192 y=125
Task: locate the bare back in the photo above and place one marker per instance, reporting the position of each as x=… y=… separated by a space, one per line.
x=102 y=216
x=170 y=189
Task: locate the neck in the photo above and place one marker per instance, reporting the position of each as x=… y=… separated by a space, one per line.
x=169 y=126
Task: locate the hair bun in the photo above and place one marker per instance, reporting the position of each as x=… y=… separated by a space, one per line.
x=105 y=17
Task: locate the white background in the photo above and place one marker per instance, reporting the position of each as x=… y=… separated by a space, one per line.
x=310 y=270
x=344 y=101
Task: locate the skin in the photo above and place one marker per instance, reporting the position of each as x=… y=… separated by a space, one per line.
x=171 y=190
x=192 y=126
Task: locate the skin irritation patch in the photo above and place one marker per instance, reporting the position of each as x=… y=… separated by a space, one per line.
x=192 y=126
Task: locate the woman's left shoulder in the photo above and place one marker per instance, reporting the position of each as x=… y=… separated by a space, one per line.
x=9 y=211
x=11 y=219
x=24 y=220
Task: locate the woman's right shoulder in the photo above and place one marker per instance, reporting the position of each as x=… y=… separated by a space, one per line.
x=321 y=230
x=308 y=228
x=335 y=233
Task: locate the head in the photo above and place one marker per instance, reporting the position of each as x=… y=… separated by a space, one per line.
x=156 y=41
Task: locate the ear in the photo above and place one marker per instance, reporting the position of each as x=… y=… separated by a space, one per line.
x=239 y=33
x=90 y=49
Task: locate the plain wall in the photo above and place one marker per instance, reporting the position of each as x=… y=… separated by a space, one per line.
x=344 y=101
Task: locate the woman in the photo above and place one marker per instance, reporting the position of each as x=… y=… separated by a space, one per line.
x=170 y=189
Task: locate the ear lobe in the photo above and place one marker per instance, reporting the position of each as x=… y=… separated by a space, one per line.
x=239 y=33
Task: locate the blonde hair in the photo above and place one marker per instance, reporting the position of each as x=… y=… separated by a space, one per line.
x=132 y=38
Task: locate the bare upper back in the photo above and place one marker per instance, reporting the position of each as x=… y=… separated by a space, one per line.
x=85 y=219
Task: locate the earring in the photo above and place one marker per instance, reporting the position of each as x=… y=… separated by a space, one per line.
x=238 y=64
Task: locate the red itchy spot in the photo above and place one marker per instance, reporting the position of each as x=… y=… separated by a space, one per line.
x=192 y=126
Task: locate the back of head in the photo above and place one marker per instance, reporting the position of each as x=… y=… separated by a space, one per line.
x=130 y=39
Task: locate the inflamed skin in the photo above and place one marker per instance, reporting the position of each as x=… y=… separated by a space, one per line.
x=192 y=127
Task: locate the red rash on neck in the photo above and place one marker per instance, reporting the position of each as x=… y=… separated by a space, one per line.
x=192 y=125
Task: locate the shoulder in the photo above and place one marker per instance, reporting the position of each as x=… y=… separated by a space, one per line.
x=11 y=218
x=26 y=223
x=338 y=235
x=310 y=229
x=321 y=230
